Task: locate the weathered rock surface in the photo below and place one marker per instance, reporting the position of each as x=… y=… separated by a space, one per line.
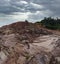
x=27 y=45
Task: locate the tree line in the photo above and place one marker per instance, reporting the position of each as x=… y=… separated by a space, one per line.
x=50 y=23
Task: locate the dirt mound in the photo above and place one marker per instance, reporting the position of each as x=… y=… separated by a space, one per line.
x=26 y=43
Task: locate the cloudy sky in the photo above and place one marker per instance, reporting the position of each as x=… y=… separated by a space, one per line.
x=32 y=10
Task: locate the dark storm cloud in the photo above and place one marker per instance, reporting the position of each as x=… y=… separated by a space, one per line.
x=52 y=5
x=49 y=7
x=11 y=6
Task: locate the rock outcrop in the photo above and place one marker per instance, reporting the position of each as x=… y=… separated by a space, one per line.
x=25 y=43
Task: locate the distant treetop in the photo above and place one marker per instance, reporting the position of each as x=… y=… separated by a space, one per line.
x=50 y=23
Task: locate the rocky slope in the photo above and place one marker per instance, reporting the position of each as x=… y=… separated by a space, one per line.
x=27 y=43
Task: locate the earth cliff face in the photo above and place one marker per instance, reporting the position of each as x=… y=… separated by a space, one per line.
x=26 y=43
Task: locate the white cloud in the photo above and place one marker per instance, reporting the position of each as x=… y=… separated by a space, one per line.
x=21 y=16
x=23 y=2
x=17 y=16
x=38 y=15
x=36 y=5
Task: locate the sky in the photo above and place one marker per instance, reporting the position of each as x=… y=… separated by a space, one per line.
x=31 y=10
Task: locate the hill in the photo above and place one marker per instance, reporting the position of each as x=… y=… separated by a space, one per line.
x=28 y=43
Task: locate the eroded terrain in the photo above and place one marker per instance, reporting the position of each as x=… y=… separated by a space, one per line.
x=29 y=46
